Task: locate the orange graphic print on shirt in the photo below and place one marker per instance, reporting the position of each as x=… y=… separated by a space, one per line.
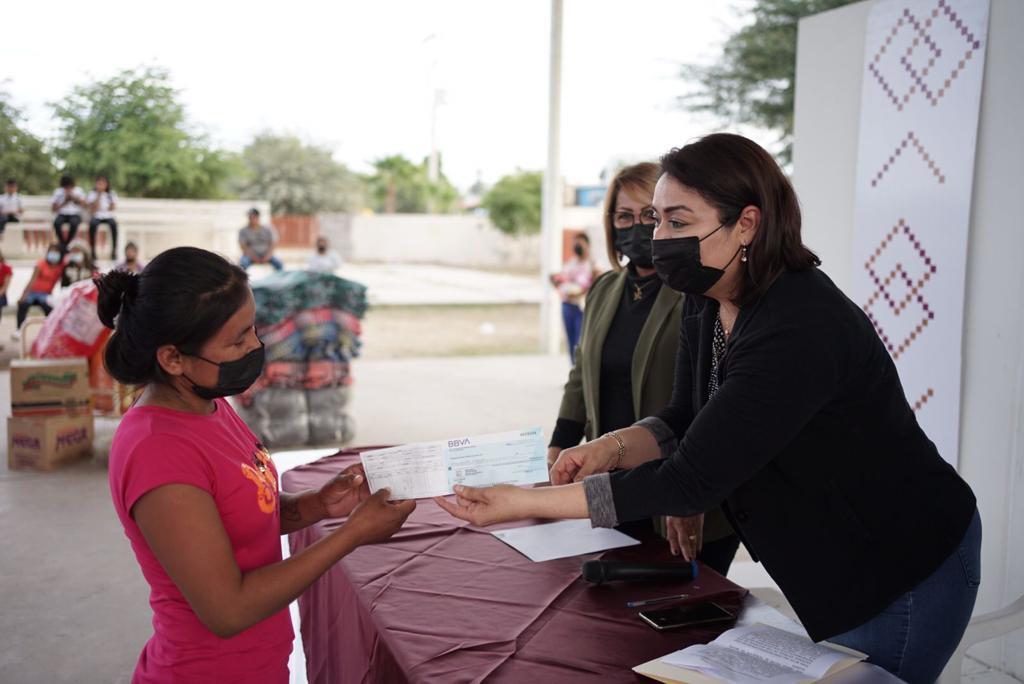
x=261 y=473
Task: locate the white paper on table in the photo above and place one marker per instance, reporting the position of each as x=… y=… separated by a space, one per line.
x=760 y=655
x=562 y=539
x=426 y=469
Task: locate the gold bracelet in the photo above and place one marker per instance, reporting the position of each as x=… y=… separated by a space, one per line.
x=622 y=448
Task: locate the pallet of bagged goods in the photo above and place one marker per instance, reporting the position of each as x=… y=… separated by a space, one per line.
x=310 y=324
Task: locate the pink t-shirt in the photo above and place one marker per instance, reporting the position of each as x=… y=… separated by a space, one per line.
x=217 y=453
x=577 y=275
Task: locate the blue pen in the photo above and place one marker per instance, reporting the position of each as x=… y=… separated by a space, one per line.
x=662 y=599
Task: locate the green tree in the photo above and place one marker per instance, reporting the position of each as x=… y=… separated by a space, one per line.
x=133 y=129
x=752 y=81
x=297 y=178
x=398 y=185
x=514 y=203
x=23 y=156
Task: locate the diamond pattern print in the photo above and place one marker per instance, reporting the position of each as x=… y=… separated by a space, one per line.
x=898 y=275
x=923 y=57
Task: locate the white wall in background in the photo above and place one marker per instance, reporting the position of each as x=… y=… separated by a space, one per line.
x=830 y=59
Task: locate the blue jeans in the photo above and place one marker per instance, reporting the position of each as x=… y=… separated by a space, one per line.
x=33 y=299
x=572 y=316
x=246 y=262
x=914 y=637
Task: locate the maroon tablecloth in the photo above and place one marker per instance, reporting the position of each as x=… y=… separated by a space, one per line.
x=444 y=601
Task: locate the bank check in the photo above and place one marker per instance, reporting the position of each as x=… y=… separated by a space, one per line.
x=425 y=469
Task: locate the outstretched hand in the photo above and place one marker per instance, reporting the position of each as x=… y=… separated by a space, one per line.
x=485 y=505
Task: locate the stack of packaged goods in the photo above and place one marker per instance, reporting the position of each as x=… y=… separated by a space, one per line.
x=53 y=394
x=51 y=410
x=74 y=329
x=310 y=325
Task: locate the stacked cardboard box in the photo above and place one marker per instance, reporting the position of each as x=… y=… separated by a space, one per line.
x=51 y=405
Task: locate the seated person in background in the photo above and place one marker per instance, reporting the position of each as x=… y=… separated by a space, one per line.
x=257 y=242
x=102 y=203
x=131 y=263
x=78 y=264
x=324 y=260
x=67 y=204
x=44 y=278
x=10 y=205
x=5 y=281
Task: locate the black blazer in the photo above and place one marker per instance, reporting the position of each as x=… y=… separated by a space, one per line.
x=822 y=466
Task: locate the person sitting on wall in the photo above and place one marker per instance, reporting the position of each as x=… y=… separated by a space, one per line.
x=102 y=203
x=257 y=242
x=6 y=273
x=37 y=293
x=131 y=263
x=325 y=259
x=10 y=205
x=67 y=203
x=78 y=264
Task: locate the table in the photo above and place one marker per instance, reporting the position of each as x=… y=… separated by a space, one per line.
x=445 y=601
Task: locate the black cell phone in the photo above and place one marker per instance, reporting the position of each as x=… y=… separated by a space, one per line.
x=684 y=616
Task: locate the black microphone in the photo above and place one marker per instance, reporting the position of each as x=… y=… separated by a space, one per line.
x=598 y=571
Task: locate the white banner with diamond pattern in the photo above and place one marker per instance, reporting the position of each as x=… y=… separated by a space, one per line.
x=923 y=66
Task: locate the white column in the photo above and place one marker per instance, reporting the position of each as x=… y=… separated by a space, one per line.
x=552 y=199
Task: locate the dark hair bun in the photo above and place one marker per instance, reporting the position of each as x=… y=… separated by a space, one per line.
x=182 y=298
x=115 y=288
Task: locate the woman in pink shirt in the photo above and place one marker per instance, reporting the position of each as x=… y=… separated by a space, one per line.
x=572 y=285
x=194 y=489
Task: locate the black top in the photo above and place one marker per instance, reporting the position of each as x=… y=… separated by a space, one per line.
x=809 y=440
x=616 y=384
x=616 y=378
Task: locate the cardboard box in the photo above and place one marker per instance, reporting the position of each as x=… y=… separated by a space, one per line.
x=46 y=443
x=54 y=387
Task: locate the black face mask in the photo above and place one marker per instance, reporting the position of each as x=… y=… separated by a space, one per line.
x=677 y=261
x=635 y=243
x=578 y=251
x=233 y=377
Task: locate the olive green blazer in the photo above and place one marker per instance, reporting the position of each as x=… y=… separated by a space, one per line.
x=653 y=371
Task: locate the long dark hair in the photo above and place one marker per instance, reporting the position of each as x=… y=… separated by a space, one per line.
x=183 y=297
x=732 y=172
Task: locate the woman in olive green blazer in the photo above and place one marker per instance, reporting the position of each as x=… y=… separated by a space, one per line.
x=625 y=360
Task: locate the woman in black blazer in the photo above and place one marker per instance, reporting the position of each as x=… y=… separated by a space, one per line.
x=788 y=410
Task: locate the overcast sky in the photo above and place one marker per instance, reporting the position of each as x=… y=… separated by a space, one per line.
x=359 y=77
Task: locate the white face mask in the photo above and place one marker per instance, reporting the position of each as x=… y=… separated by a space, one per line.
x=77 y=258
x=53 y=257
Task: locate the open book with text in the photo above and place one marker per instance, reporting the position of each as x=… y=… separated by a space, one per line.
x=757 y=654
